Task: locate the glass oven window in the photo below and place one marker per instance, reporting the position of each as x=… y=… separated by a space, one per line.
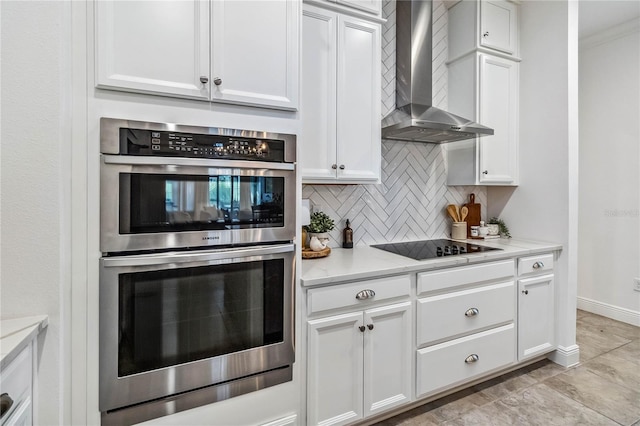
x=176 y=316
x=168 y=203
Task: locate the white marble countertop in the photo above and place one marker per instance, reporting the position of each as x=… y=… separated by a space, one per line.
x=17 y=333
x=368 y=262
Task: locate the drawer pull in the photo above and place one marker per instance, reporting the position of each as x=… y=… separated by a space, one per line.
x=538 y=265
x=472 y=312
x=365 y=294
x=5 y=404
x=370 y=326
x=472 y=358
x=362 y=329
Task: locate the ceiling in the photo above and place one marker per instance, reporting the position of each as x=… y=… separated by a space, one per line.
x=598 y=15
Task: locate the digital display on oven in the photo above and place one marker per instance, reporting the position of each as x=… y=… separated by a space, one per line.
x=165 y=143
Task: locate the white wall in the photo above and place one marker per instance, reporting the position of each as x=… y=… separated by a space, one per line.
x=544 y=206
x=34 y=180
x=609 y=242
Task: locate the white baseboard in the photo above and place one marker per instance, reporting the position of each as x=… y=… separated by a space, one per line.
x=566 y=357
x=610 y=311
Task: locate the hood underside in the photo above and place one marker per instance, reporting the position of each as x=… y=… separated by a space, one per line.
x=415 y=119
x=420 y=123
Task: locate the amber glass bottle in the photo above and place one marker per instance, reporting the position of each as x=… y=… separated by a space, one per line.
x=347 y=236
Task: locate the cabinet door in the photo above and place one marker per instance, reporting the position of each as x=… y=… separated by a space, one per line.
x=318 y=98
x=387 y=357
x=536 y=314
x=334 y=388
x=499 y=111
x=358 y=120
x=159 y=47
x=498 y=25
x=254 y=56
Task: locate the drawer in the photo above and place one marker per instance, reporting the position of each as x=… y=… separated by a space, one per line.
x=445 y=365
x=16 y=381
x=344 y=295
x=535 y=264
x=463 y=312
x=454 y=277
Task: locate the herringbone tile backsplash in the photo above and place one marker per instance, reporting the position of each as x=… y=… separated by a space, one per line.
x=410 y=202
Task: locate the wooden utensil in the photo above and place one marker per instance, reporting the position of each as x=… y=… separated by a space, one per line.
x=473 y=215
x=464 y=211
x=458 y=213
x=451 y=209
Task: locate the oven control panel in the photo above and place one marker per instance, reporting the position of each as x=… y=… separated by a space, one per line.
x=179 y=144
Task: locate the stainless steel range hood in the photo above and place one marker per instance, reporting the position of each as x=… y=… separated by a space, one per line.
x=414 y=118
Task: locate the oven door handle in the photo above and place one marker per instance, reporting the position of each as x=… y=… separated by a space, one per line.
x=215 y=256
x=130 y=160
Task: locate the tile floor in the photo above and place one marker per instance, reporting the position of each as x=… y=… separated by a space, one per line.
x=604 y=389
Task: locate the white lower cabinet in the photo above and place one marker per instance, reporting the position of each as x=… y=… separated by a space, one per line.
x=536 y=307
x=359 y=363
x=17 y=390
x=465 y=324
x=457 y=361
x=470 y=322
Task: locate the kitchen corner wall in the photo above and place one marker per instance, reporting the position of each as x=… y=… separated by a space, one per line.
x=410 y=202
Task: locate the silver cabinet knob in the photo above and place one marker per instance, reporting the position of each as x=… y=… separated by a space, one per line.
x=365 y=294
x=217 y=81
x=204 y=79
x=471 y=312
x=471 y=358
x=538 y=265
x=486 y=34
x=341 y=166
x=5 y=404
x=334 y=166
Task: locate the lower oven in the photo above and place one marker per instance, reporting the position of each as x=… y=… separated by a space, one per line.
x=182 y=329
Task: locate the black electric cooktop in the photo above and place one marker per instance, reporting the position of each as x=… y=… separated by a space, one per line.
x=429 y=249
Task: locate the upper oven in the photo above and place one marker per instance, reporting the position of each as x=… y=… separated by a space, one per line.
x=166 y=186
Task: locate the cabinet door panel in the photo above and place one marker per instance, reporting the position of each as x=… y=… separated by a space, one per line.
x=159 y=47
x=387 y=357
x=498 y=110
x=318 y=98
x=536 y=314
x=358 y=120
x=255 y=52
x=334 y=394
x=498 y=20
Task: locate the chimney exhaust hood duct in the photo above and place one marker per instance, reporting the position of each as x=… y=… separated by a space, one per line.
x=414 y=118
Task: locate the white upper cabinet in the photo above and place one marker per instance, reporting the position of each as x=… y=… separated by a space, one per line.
x=340 y=139
x=484 y=86
x=488 y=24
x=498 y=110
x=241 y=52
x=498 y=25
x=490 y=83
x=254 y=52
x=153 y=47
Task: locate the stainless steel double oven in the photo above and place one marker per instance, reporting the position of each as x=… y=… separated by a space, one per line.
x=197 y=268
